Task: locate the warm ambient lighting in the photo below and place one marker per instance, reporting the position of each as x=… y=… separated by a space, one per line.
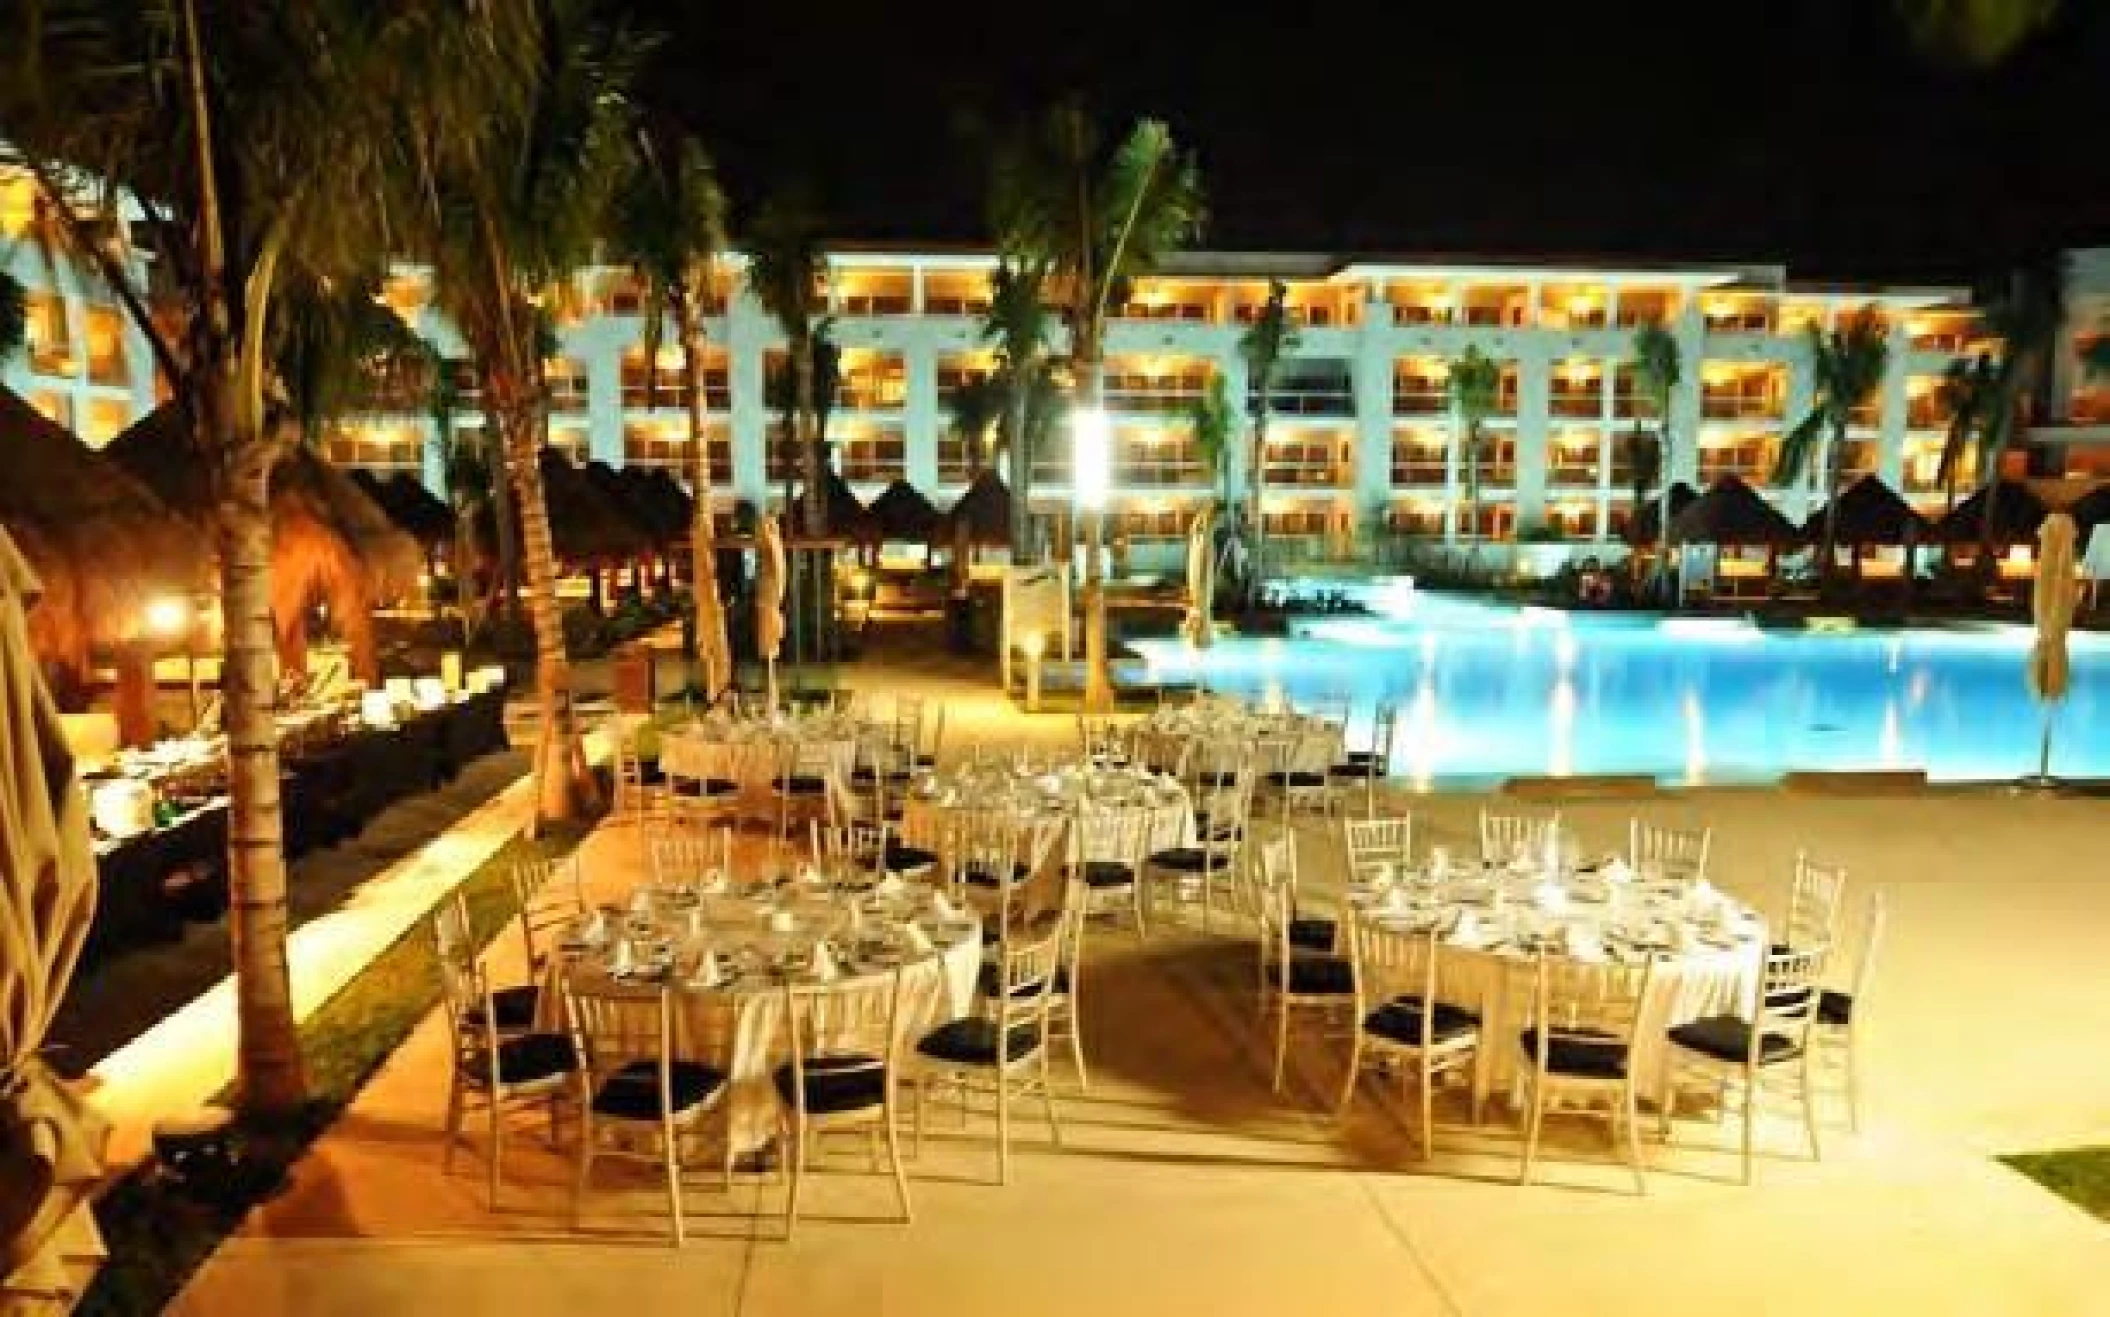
x=1091 y=457
x=167 y=616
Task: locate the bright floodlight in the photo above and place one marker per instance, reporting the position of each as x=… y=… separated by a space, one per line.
x=1091 y=457
x=167 y=616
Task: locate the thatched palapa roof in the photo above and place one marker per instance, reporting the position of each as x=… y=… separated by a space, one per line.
x=623 y=496
x=659 y=501
x=1870 y=512
x=1647 y=525
x=2016 y=515
x=588 y=524
x=416 y=510
x=101 y=541
x=986 y=511
x=904 y=514
x=1731 y=512
x=847 y=518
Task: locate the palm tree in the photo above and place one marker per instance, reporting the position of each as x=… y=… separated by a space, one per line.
x=504 y=236
x=1658 y=370
x=1094 y=216
x=2025 y=318
x=1475 y=383
x=973 y=409
x=1969 y=395
x=786 y=271
x=1269 y=339
x=1847 y=367
x=1209 y=424
x=466 y=472
x=14 y=317
x=1017 y=323
x=670 y=231
x=269 y=142
x=1974 y=33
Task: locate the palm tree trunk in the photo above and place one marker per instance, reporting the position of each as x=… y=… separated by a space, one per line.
x=1472 y=482
x=714 y=652
x=1256 y=481
x=1835 y=465
x=1098 y=680
x=1021 y=463
x=565 y=787
x=506 y=523
x=271 y=1074
x=811 y=466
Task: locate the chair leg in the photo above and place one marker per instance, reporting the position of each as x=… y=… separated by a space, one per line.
x=1750 y=1119
x=1084 y=1079
x=922 y=1092
x=1808 y=1085
x=1047 y=1097
x=798 y=1177
x=497 y=1152
x=1633 y=1140
x=1428 y=1109
x=582 y=1170
x=1355 y=1059
x=1281 y=1036
x=1853 y=1081
x=1667 y=1103
x=454 y=1122
x=672 y=1160
x=1531 y=1135
x=893 y=1152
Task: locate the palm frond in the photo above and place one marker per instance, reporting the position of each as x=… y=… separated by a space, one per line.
x=1474 y=384
x=1209 y=423
x=1799 y=446
x=1270 y=338
x=14 y=317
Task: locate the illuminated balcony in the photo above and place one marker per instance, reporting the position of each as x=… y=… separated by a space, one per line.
x=49 y=336
x=1575 y=458
x=960 y=369
x=1310 y=460
x=1572 y=519
x=1576 y=389
x=1749 y=457
x=1421 y=386
x=1495 y=306
x=565 y=380
x=1574 y=306
x=1420 y=458
x=661 y=388
x=1307 y=305
x=955 y=293
x=1156 y=521
x=1629 y=401
x=1166 y=299
x=1155 y=384
x=1417 y=517
x=1157 y=458
x=378 y=446
x=874 y=293
x=1640 y=306
x=664 y=442
x=1737 y=313
x=1735 y=391
x=1421 y=303
x=1945 y=331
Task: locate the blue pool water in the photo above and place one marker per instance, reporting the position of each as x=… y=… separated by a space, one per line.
x=1492 y=690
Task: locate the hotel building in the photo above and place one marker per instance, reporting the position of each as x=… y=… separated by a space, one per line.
x=1361 y=436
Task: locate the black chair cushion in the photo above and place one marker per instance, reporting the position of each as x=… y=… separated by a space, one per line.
x=973 y=1041
x=1296 y=777
x=1215 y=832
x=801 y=784
x=1728 y=1038
x=834 y=1083
x=1357 y=769
x=515 y=1007
x=1321 y=976
x=708 y=788
x=978 y=875
x=1108 y=873
x=1189 y=859
x=1362 y=757
x=1218 y=779
x=1585 y=1053
x=535 y=1056
x=1399 y=1021
x=1836 y=1008
x=901 y=858
x=1312 y=934
x=632 y=1093
x=986 y=981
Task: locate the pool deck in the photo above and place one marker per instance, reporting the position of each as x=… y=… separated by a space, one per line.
x=1186 y=1186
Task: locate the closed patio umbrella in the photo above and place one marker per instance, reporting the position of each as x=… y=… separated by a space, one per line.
x=770 y=574
x=2051 y=605
x=1201 y=578
x=50 y=1140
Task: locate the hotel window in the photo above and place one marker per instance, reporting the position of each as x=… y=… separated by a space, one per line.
x=565 y=378
x=1573 y=519
x=1157 y=458
x=1155 y=523
x=1622 y=455
x=572 y=442
x=1732 y=391
x=638 y=393
x=955 y=293
x=1507 y=389
x=1309 y=459
x=1498 y=458
x=1314 y=386
x=104 y=329
x=1420 y=457
x=468 y=384
x=1305 y=522
x=1577 y=389
x=1503 y=306
x=1619 y=518
x=1159 y=299
x=50 y=337
x=1316 y=306
x=1420 y=386
x=104 y=419
x=1647 y=306
x=380 y=446
x=406 y=295
x=665 y=443
x=18 y=202
x=620 y=294
x=873 y=293
x=871 y=381
x=1737 y=313
x=1416 y=519
x=1575 y=458
x=1490 y=521
x=54 y=405
x=1749 y=457
x=1799 y=315
x=1421 y=303
x=1861 y=459
x=961 y=369
x=1629 y=400
x=1575 y=306
x=1943 y=331
x=875 y=455
x=1922 y=466
x=1155 y=384
x=953 y=466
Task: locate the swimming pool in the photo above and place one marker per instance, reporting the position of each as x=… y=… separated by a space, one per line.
x=1489 y=690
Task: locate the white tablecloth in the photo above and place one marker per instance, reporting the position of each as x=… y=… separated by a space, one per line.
x=737 y=1026
x=1710 y=965
x=748 y=752
x=1221 y=733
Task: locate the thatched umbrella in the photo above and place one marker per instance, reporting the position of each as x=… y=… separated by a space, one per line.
x=771 y=574
x=983 y=512
x=1647 y=525
x=904 y=515
x=588 y=526
x=2051 y=607
x=1870 y=512
x=1731 y=512
x=847 y=518
x=658 y=501
x=104 y=544
x=1201 y=578
x=51 y=1141
x=416 y=510
x=2017 y=514
x=328 y=539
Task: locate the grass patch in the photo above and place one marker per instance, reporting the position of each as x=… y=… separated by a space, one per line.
x=2079 y=1175
x=160 y=1232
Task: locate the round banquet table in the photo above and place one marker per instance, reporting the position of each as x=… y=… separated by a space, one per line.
x=1221 y=731
x=1708 y=949
x=936 y=801
x=734 y=1021
x=747 y=750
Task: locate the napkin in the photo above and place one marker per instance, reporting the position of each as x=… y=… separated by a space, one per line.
x=1396 y=899
x=1582 y=943
x=621 y=960
x=641 y=902
x=1618 y=870
x=824 y=967
x=915 y=939
x=1466 y=931
x=715 y=882
x=891 y=885
x=857 y=917
x=943 y=908
x=593 y=929
x=781 y=921
x=707 y=973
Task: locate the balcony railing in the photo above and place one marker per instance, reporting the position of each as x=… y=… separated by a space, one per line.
x=1579 y=403
x=1573 y=474
x=1419 y=471
x=1738 y=407
x=874 y=304
x=1176 y=397
x=1312 y=402
x=1412 y=398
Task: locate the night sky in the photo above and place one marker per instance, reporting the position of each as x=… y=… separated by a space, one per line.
x=1806 y=130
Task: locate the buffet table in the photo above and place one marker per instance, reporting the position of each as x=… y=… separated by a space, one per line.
x=152 y=880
